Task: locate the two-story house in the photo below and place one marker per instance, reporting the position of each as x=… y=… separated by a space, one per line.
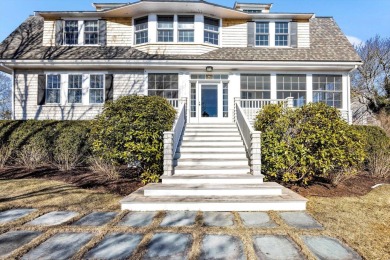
x=223 y=63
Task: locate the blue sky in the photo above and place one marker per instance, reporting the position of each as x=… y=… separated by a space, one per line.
x=361 y=19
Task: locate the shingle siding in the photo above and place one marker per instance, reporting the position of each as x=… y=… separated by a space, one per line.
x=49 y=33
x=303 y=34
x=234 y=33
x=119 y=32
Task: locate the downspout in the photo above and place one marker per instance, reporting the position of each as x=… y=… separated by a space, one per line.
x=349 y=94
x=12 y=72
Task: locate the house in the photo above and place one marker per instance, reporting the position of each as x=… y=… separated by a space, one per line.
x=215 y=64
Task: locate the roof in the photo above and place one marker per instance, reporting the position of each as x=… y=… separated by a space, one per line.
x=328 y=44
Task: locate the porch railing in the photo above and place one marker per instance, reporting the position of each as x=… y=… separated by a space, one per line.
x=172 y=138
x=174 y=102
x=252 y=139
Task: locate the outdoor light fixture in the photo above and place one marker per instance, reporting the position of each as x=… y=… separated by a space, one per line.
x=209 y=69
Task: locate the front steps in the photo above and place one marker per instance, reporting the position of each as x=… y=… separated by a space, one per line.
x=212 y=174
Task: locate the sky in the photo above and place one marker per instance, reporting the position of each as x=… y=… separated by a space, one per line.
x=359 y=19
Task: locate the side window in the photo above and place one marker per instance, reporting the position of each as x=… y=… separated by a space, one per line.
x=75 y=91
x=53 y=89
x=163 y=85
x=281 y=34
x=96 y=89
x=141 y=30
x=292 y=86
x=262 y=34
x=328 y=89
x=165 y=28
x=71 y=32
x=186 y=28
x=255 y=86
x=91 y=32
x=211 y=30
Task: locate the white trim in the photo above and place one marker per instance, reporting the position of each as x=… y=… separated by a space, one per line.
x=309 y=88
x=13 y=96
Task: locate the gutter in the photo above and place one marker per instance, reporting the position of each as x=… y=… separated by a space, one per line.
x=6 y=69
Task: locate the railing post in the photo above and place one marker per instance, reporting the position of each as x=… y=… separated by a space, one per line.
x=255 y=153
x=290 y=102
x=187 y=115
x=168 y=153
x=235 y=109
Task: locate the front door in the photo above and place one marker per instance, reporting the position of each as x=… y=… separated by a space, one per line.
x=208 y=101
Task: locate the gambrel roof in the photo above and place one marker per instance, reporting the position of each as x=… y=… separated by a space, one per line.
x=328 y=44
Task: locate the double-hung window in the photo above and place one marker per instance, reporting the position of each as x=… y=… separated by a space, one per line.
x=75 y=89
x=165 y=28
x=292 y=86
x=71 y=32
x=96 y=89
x=281 y=34
x=262 y=34
x=141 y=30
x=255 y=86
x=163 y=85
x=328 y=89
x=211 y=30
x=186 y=28
x=91 y=32
x=53 y=89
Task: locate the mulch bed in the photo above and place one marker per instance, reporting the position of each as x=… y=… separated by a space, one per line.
x=81 y=177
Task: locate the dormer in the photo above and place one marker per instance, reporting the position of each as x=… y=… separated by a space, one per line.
x=253 y=8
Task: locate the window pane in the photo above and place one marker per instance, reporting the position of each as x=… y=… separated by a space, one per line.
x=186 y=36
x=211 y=24
x=167 y=85
x=281 y=27
x=259 y=86
x=71 y=32
x=141 y=23
x=210 y=37
x=186 y=22
x=262 y=28
x=292 y=86
x=281 y=40
x=53 y=86
x=165 y=22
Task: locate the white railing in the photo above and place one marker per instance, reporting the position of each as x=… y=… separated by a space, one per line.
x=172 y=138
x=251 y=107
x=174 y=102
x=252 y=139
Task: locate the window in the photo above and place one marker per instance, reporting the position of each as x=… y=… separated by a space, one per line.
x=186 y=28
x=262 y=34
x=211 y=30
x=292 y=86
x=163 y=85
x=71 y=32
x=53 y=89
x=328 y=89
x=281 y=34
x=165 y=28
x=96 y=89
x=141 y=30
x=75 y=91
x=91 y=32
x=225 y=100
x=255 y=86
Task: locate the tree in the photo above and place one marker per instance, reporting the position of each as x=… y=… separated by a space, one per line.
x=371 y=81
x=5 y=96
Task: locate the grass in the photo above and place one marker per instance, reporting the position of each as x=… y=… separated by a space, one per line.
x=361 y=222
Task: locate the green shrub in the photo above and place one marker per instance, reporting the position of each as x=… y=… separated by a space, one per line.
x=131 y=128
x=308 y=142
x=377 y=147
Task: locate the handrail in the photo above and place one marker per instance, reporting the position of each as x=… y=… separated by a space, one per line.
x=172 y=138
x=252 y=139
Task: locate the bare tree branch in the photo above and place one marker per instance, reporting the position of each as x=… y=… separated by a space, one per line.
x=5 y=96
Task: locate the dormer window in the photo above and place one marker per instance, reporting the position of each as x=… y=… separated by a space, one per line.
x=281 y=34
x=262 y=34
x=186 y=28
x=71 y=32
x=91 y=32
x=211 y=30
x=141 y=30
x=165 y=28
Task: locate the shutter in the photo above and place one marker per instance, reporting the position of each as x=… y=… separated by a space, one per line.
x=294 y=34
x=251 y=34
x=59 y=32
x=109 y=87
x=103 y=32
x=41 y=89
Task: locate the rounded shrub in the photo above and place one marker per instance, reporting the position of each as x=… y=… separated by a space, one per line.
x=303 y=144
x=130 y=130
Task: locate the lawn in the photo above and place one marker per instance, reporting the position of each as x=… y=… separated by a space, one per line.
x=360 y=221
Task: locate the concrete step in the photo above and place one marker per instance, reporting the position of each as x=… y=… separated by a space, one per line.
x=211 y=130
x=213 y=179
x=211 y=138
x=211 y=155
x=207 y=170
x=226 y=144
x=266 y=188
x=210 y=134
x=213 y=162
x=216 y=149
x=222 y=125
x=288 y=201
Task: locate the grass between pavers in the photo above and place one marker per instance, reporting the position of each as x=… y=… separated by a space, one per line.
x=358 y=221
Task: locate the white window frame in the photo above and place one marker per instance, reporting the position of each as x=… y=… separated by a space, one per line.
x=174 y=20
x=59 y=89
x=81 y=30
x=67 y=91
x=217 y=32
x=278 y=34
x=140 y=31
x=98 y=32
x=185 y=29
x=268 y=34
x=103 y=88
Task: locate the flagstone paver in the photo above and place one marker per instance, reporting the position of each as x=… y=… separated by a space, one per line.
x=256 y=219
x=300 y=220
x=115 y=246
x=14 y=239
x=329 y=248
x=14 y=214
x=138 y=219
x=179 y=218
x=96 y=219
x=60 y=246
x=53 y=218
x=169 y=246
x=222 y=247
x=218 y=219
x=273 y=247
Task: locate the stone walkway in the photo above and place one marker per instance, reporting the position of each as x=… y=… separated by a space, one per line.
x=28 y=234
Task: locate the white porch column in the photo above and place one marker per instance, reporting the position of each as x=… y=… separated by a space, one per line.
x=234 y=91
x=309 y=88
x=273 y=85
